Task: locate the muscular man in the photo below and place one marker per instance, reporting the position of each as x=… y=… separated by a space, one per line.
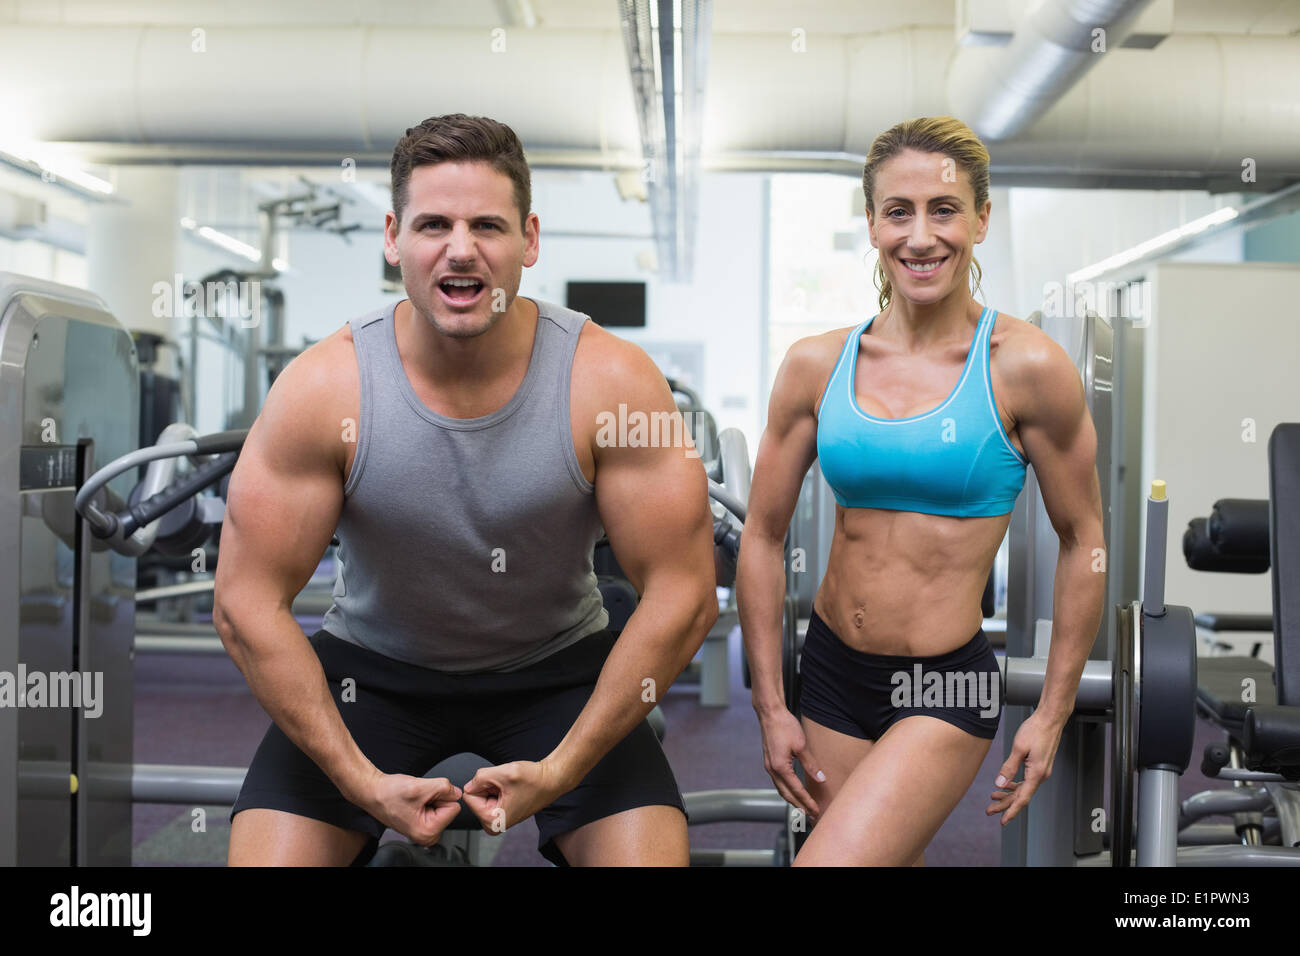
x=454 y=441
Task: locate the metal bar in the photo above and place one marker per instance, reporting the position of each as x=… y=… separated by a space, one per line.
x=1238 y=856
x=1024 y=677
x=1215 y=802
x=179 y=644
x=153 y=627
x=1227 y=773
x=209 y=337
x=175 y=590
x=171 y=783
x=1153 y=587
x=1157 y=826
x=1287 y=801
x=736 y=806
x=1209 y=834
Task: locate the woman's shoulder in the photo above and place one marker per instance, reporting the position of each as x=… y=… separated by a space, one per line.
x=1026 y=356
x=807 y=367
x=1016 y=339
x=814 y=351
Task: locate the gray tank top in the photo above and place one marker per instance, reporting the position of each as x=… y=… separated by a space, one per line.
x=466 y=543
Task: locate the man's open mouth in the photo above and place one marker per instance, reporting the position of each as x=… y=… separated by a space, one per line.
x=460 y=290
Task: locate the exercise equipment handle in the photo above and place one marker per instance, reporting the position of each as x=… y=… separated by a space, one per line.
x=152 y=508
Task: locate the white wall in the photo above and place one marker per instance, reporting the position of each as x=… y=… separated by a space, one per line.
x=1220 y=350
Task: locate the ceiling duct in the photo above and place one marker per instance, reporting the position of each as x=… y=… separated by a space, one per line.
x=1195 y=111
x=667 y=53
x=1055 y=45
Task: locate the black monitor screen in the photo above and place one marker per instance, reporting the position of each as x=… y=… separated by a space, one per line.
x=608 y=303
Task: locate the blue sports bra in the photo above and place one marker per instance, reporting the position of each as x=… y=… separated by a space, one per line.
x=955 y=459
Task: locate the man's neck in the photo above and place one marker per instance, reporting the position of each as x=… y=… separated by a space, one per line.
x=470 y=362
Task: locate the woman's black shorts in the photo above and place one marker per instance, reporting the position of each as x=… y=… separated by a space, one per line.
x=406 y=719
x=863 y=694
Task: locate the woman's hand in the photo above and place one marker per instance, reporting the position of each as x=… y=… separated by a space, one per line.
x=1035 y=744
x=783 y=741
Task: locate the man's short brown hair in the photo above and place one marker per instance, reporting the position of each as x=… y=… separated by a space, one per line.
x=457 y=138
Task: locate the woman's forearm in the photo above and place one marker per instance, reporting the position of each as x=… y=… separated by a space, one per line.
x=760 y=592
x=1079 y=592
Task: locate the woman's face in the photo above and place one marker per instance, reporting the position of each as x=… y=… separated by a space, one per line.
x=926 y=225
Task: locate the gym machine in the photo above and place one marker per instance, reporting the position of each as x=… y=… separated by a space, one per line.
x=1255 y=705
x=69 y=380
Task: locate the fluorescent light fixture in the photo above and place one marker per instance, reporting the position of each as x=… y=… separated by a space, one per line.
x=1153 y=245
x=34 y=154
x=229 y=243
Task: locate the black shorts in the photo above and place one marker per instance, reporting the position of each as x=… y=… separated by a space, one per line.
x=863 y=694
x=406 y=719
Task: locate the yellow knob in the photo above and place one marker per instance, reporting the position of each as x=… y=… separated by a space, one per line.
x=1157 y=490
x=72 y=779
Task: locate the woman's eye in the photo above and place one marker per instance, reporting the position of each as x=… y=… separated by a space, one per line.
x=946 y=210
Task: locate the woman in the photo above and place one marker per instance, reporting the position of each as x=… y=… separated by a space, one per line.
x=899 y=702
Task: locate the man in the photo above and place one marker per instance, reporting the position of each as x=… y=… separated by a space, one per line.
x=455 y=441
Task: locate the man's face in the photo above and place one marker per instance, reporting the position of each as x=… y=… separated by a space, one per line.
x=926 y=225
x=460 y=245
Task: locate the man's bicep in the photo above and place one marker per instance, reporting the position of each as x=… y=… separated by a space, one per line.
x=653 y=503
x=651 y=489
x=283 y=505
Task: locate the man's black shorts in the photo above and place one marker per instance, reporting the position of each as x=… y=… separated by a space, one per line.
x=406 y=719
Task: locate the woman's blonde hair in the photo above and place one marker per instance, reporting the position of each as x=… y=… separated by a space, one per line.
x=929 y=134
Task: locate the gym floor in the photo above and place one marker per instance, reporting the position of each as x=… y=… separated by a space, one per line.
x=199 y=710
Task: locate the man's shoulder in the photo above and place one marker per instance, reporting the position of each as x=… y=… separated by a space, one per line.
x=336 y=352
x=606 y=363
x=567 y=319
x=322 y=382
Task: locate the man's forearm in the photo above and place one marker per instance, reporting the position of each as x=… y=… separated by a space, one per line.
x=1078 y=594
x=760 y=589
x=660 y=639
x=286 y=677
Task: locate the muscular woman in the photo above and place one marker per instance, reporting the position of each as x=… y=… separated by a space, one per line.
x=924 y=418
